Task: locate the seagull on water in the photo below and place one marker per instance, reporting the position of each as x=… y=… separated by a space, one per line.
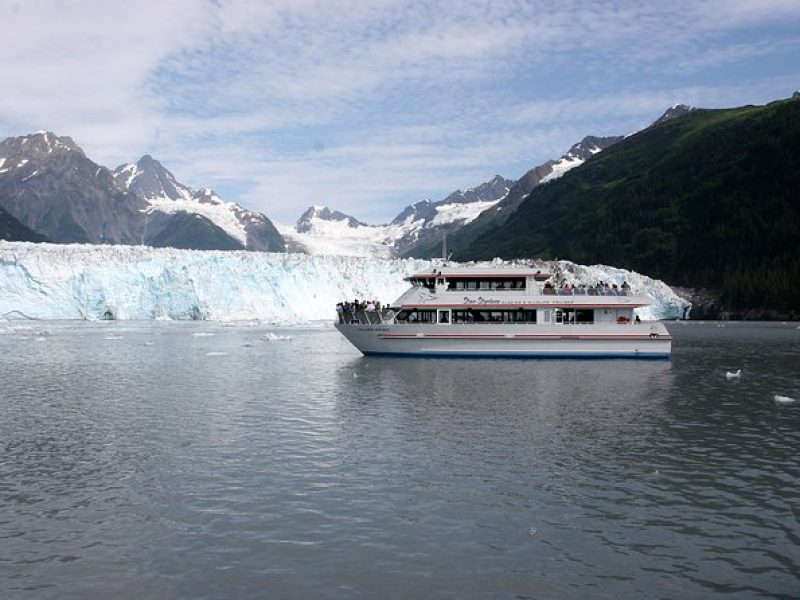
x=784 y=399
x=733 y=374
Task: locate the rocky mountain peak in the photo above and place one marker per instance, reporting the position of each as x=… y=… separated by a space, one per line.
x=424 y=209
x=39 y=145
x=589 y=146
x=149 y=179
x=491 y=190
x=322 y=213
x=676 y=110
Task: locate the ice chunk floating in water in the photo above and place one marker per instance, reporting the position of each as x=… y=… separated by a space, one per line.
x=274 y=337
x=733 y=374
x=51 y=281
x=784 y=399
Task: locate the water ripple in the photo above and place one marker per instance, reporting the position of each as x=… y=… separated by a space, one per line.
x=141 y=468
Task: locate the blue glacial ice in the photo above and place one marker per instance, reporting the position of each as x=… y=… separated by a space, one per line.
x=50 y=281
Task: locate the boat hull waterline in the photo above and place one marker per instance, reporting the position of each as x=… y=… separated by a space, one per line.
x=644 y=341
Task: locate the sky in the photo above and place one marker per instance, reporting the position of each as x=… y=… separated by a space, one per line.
x=368 y=106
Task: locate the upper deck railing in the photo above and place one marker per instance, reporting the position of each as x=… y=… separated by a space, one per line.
x=592 y=291
x=349 y=314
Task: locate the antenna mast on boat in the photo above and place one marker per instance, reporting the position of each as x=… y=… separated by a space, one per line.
x=444 y=245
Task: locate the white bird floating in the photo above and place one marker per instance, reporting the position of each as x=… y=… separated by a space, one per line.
x=733 y=374
x=272 y=337
x=784 y=399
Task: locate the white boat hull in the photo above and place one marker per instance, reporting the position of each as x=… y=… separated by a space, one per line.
x=645 y=340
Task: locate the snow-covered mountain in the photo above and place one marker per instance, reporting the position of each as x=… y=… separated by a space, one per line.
x=149 y=180
x=51 y=281
x=428 y=221
x=49 y=185
x=323 y=231
x=577 y=155
x=316 y=216
x=498 y=212
x=419 y=228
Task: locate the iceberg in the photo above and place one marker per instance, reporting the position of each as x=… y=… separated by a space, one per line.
x=95 y=282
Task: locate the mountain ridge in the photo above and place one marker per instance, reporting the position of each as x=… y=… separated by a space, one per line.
x=705 y=199
x=49 y=185
x=322 y=230
x=149 y=180
x=551 y=169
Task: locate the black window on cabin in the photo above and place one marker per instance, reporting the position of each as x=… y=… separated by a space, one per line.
x=413 y=315
x=570 y=316
x=485 y=284
x=462 y=316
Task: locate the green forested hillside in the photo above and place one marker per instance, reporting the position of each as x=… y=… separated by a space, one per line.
x=709 y=199
x=11 y=229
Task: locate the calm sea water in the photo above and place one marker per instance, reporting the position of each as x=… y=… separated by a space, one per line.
x=194 y=460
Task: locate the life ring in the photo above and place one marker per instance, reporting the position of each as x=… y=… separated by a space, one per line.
x=623 y=320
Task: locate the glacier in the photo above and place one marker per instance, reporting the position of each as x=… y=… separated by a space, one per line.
x=92 y=282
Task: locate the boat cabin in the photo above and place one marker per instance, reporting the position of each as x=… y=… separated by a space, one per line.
x=472 y=282
x=622 y=315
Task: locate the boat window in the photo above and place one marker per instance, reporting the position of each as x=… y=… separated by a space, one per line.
x=494 y=316
x=444 y=316
x=413 y=315
x=462 y=316
x=570 y=316
x=426 y=316
x=460 y=284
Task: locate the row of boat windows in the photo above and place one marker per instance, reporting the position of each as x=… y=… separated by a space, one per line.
x=458 y=285
x=560 y=315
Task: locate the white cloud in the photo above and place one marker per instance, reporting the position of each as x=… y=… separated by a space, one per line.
x=370 y=105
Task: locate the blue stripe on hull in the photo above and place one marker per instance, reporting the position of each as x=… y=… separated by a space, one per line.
x=479 y=354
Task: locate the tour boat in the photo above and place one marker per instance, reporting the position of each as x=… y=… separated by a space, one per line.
x=502 y=311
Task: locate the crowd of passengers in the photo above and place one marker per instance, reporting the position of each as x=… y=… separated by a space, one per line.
x=599 y=289
x=350 y=308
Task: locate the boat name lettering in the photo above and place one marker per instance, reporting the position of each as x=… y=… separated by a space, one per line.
x=480 y=300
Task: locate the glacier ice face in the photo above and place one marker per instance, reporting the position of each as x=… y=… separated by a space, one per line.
x=50 y=281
